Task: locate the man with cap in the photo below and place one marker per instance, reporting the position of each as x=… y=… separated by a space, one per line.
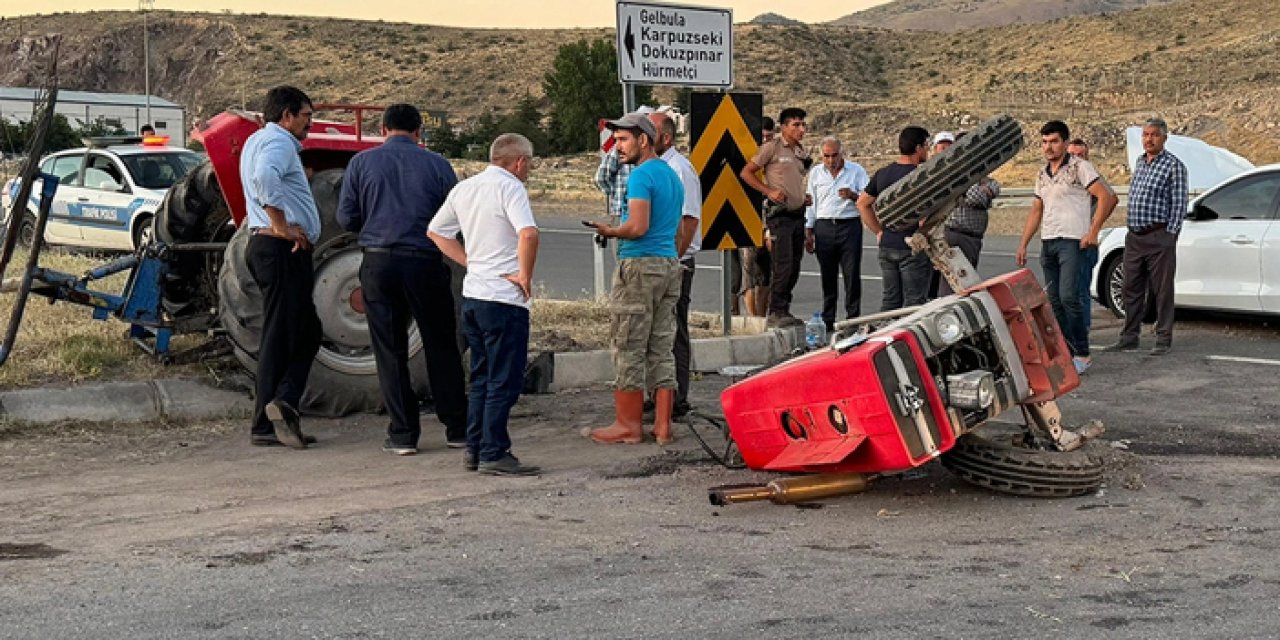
x=646 y=286
x=942 y=141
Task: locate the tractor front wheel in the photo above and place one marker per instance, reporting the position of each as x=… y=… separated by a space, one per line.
x=1019 y=471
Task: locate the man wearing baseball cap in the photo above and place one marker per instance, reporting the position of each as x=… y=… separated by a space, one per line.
x=942 y=141
x=646 y=285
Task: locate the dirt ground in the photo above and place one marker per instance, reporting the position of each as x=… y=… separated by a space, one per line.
x=184 y=530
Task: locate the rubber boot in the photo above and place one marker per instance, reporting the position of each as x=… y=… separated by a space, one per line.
x=663 y=400
x=628 y=423
x=762 y=301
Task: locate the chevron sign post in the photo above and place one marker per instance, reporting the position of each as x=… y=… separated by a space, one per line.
x=724 y=130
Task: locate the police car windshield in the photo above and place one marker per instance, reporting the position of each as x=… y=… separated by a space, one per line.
x=159 y=170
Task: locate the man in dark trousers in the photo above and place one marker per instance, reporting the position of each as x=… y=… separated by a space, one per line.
x=905 y=273
x=283 y=218
x=784 y=164
x=389 y=196
x=1157 y=209
x=492 y=210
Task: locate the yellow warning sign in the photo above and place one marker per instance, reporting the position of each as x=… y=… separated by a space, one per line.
x=724 y=130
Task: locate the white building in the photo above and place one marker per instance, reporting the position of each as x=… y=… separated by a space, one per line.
x=124 y=110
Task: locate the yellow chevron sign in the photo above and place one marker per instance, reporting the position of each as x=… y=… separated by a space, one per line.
x=724 y=130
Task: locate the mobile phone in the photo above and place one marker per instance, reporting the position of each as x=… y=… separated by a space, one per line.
x=588 y=223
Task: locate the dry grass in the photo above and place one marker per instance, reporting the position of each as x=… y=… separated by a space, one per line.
x=582 y=325
x=60 y=343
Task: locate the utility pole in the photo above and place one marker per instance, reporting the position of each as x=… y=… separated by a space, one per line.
x=145 y=6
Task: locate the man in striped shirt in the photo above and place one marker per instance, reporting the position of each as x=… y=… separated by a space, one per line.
x=1157 y=206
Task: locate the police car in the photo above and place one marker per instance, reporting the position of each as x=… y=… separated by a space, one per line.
x=108 y=192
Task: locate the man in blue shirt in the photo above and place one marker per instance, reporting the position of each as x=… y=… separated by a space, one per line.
x=389 y=195
x=1157 y=207
x=646 y=286
x=285 y=223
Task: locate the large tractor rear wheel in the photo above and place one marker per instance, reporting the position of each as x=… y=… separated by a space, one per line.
x=193 y=210
x=344 y=377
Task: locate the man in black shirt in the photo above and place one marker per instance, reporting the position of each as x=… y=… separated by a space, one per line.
x=906 y=275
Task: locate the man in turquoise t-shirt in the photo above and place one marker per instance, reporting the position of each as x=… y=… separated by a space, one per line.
x=646 y=286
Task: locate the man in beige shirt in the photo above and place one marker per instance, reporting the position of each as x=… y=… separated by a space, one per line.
x=784 y=163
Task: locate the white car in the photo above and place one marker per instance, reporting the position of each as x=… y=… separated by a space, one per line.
x=107 y=194
x=1228 y=250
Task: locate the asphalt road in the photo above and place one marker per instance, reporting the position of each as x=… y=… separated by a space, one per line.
x=185 y=531
x=565 y=268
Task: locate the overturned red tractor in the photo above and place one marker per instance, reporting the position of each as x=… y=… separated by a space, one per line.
x=924 y=386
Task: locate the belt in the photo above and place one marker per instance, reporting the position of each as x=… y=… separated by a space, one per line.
x=779 y=210
x=402 y=251
x=965 y=233
x=1159 y=226
x=840 y=220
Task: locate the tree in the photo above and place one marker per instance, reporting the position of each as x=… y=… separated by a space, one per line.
x=61 y=135
x=583 y=87
x=99 y=127
x=444 y=140
x=526 y=120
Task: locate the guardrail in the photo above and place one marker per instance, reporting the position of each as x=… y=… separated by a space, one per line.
x=1021 y=197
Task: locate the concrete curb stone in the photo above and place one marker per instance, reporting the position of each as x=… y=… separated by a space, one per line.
x=124 y=402
x=586 y=368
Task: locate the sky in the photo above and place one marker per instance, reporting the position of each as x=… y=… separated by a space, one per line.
x=459 y=13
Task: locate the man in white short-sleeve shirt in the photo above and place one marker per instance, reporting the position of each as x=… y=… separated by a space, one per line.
x=1061 y=212
x=491 y=211
x=688 y=243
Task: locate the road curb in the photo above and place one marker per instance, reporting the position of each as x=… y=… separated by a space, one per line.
x=574 y=370
x=178 y=399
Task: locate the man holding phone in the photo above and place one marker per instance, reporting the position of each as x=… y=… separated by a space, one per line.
x=833 y=229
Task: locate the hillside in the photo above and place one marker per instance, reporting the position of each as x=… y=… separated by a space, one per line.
x=959 y=15
x=1205 y=65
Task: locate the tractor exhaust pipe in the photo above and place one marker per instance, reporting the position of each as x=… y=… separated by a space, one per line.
x=790 y=490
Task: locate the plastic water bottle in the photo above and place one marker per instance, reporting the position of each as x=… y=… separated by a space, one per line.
x=815 y=331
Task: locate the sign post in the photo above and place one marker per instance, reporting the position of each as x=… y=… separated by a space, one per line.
x=681 y=45
x=673 y=44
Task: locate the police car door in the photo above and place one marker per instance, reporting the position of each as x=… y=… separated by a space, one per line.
x=106 y=204
x=59 y=229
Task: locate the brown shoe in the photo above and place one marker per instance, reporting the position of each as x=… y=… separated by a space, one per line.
x=627 y=427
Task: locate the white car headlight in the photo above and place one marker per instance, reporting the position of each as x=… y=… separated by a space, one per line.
x=949 y=327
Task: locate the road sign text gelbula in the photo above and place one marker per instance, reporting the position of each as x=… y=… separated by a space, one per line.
x=665 y=18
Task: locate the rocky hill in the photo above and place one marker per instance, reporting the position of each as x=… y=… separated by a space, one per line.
x=1205 y=65
x=959 y=15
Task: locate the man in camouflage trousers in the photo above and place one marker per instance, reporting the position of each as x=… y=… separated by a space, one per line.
x=646 y=286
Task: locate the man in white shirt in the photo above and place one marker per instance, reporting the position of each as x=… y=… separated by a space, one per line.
x=492 y=212
x=688 y=243
x=833 y=229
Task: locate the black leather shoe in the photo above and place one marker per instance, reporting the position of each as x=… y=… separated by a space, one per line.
x=287 y=424
x=1120 y=346
x=272 y=441
x=680 y=409
x=1160 y=350
x=471 y=460
x=507 y=465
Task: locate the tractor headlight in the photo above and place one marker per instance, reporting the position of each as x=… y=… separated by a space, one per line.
x=971 y=389
x=949 y=328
